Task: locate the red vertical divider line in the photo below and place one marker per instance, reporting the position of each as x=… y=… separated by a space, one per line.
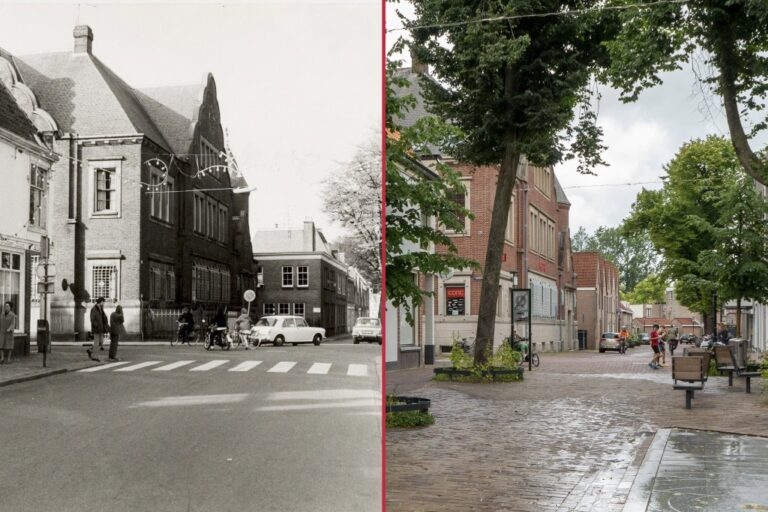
x=383 y=294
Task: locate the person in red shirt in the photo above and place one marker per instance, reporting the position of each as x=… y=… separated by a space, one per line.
x=655 y=347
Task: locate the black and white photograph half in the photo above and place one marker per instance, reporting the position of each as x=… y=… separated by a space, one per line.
x=190 y=256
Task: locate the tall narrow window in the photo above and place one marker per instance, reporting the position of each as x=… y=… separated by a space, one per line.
x=303 y=276
x=37 y=196
x=106 y=191
x=287 y=277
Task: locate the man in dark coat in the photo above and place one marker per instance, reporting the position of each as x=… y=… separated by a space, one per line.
x=99 y=326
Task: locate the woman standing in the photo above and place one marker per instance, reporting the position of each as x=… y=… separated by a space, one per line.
x=116 y=329
x=7 y=326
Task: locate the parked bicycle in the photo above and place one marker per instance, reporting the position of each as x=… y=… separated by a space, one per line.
x=240 y=338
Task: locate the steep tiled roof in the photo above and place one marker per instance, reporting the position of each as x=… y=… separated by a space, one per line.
x=13 y=119
x=585 y=265
x=85 y=96
x=419 y=110
x=561 y=197
x=174 y=109
x=685 y=321
x=651 y=321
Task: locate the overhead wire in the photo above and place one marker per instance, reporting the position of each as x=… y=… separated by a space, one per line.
x=541 y=15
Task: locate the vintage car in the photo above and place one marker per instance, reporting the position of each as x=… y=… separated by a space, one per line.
x=367 y=329
x=279 y=329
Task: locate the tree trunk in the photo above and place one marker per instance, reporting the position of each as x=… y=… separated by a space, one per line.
x=489 y=293
x=749 y=161
x=738 y=318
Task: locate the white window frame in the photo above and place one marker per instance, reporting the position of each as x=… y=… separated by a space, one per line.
x=115 y=210
x=306 y=276
x=299 y=311
x=18 y=309
x=42 y=173
x=104 y=262
x=509 y=233
x=269 y=308
x=283 y=275
x=280 y=308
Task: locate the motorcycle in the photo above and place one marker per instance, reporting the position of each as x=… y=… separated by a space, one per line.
x=217 y=336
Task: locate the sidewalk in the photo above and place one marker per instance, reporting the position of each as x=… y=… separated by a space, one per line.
x=572 y=436
x=60 y=360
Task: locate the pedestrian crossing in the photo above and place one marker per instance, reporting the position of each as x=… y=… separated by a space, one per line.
x=352 y=370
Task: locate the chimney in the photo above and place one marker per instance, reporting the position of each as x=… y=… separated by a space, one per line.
x=416 y=65
x=83 y=39
x=309 y=236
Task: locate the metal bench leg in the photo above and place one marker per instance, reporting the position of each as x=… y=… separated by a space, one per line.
x=688 y=398
x=730 y=378
x=749 y=390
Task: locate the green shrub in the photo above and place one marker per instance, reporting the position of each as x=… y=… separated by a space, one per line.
x=409 y=419
x=505 y=358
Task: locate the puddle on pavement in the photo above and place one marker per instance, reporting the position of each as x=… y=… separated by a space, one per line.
x=710 y=471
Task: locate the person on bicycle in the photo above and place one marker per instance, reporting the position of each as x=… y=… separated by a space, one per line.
x=243 y=326
x=186 y=324
x=623 y=338
x=219 y=321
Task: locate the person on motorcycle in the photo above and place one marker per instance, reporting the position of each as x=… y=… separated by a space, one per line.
x=243 y=326
x=186 y=324
x=623 y=338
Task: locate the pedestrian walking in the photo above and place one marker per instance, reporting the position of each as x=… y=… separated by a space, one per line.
x=7 y=326
x=116 y=329
x=99 y=327
x=723 y=336
x=663 y=334
x=674 y=340
x=655 y=347
x=243 y=324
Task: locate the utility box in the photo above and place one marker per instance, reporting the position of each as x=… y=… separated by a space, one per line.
x=43 y=336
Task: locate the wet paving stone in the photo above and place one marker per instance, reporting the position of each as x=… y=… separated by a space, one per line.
x=570 y=437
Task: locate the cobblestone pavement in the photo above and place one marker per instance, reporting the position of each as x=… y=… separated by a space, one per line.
x=570 y=437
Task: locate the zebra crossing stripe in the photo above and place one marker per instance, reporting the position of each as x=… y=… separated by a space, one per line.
x=208 y=366
x=172 y=366
x=245 y=366
x=357 y=370
x=138 y=366
x=104 y=367
x=319 y=368
x=282 y=367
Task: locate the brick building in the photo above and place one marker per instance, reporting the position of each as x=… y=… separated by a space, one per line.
x=299 y=274
x=536 y=255
x=597 y=294
x=142 y=215
x=26 y=159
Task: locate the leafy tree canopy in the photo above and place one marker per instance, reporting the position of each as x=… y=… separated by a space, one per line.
x=650 y=290
x=413 y=197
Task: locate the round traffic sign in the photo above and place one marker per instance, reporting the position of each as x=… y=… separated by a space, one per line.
x=249 y=295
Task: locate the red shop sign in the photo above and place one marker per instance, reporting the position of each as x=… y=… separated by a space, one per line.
x=454 y=293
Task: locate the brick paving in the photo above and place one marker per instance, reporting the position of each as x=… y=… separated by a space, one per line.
x=570 y=437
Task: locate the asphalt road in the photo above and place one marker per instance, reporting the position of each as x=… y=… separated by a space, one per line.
x=239 y=436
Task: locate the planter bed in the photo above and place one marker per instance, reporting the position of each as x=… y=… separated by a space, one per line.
x=407 y=403
x=493 y=373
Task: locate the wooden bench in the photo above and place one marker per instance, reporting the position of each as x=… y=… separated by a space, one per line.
x=734 y=367
x=700 y=352
x=688 y=374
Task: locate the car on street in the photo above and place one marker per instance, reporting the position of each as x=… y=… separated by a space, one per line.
x=688 y=338
x=609 y=341
x=367 y=329
x=645 y=339
x=279 y=329
x=706 y=342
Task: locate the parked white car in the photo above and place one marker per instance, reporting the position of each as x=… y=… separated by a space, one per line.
x=367 y=329
x=279 y=329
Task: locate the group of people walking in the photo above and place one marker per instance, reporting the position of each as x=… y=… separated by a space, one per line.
x=660 y=340
x=101 y=325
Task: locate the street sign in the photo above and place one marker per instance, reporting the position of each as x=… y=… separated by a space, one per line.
x=45 y=287
x=45 y=269
x=249 y=296
x=520 y=304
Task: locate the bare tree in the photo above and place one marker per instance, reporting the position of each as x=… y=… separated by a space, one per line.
x=352 y=197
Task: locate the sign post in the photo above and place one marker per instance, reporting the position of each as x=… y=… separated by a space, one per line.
x=521 y=311
x=249 y=296
x=46 y=272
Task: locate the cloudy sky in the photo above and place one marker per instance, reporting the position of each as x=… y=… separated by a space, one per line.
x=641 y=138
x=299 y=83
